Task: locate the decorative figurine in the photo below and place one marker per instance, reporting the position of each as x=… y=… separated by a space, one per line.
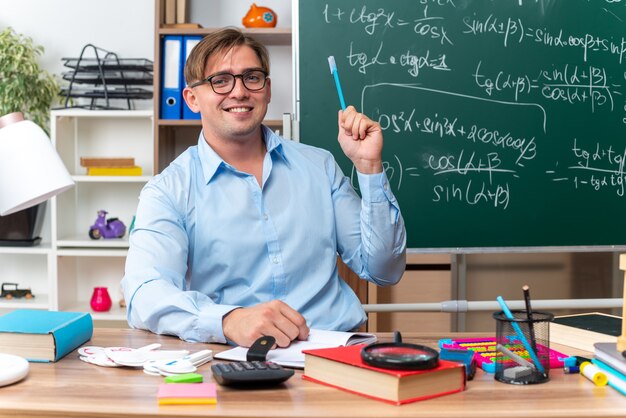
x=259 y=17
x=106 y=228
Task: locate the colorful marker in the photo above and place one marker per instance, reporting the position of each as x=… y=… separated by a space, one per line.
x=333 y=71
x=593 y=373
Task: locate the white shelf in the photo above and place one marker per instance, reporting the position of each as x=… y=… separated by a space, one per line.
x=83 y=263
x=86 y=242
x=115 y=314
x=38 y=302
x=43 y=248
x=111 y=179
x=63 y=271
x=93 y=252
x=107 y=114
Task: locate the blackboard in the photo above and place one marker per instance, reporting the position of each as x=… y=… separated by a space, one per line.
x=504 y=121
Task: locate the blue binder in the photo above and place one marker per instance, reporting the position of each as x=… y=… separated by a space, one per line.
x=189 y=42
x=171 y=86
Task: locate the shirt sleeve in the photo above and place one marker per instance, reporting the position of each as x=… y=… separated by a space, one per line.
x=370 y=231
x=154 y=283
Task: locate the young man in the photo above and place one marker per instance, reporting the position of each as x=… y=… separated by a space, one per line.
x=238 y=237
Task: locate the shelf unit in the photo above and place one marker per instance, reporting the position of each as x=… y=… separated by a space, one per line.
x=65 y=268
x=83 y=263
x=171 y=137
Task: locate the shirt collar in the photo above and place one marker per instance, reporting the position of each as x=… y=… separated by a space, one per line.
x=211 y=162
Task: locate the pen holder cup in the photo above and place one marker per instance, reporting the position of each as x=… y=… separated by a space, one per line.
x=522 y=353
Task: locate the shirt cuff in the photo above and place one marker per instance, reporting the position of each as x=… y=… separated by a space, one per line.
x=375 y=187
x=210 y=323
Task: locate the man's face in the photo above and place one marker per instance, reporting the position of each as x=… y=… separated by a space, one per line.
x=238 y=114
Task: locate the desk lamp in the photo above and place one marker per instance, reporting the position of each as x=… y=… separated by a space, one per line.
x=30 y=173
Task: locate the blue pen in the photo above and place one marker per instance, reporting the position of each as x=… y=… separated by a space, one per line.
x=333 y=71
x=520 y=334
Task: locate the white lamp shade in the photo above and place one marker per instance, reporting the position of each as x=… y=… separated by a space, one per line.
x=30 y=169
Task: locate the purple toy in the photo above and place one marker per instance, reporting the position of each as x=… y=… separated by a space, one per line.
x=106 y=228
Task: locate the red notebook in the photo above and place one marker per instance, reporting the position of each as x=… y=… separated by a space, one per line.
x=342 y=367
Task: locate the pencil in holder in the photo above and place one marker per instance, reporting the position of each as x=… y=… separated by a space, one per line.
x=522 y=354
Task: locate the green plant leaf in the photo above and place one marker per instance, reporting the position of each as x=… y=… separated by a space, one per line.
x=25 y=87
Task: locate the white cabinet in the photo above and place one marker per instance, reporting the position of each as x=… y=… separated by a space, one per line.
x=63 y=270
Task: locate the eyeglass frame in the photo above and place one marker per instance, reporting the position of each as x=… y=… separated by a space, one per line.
x=235 y=77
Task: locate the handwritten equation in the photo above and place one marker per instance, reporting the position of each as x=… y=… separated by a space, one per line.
x=482 y=103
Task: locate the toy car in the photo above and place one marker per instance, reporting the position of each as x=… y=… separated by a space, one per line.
x=10 y=291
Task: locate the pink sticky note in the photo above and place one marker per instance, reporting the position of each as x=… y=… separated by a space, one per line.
x=180 y=393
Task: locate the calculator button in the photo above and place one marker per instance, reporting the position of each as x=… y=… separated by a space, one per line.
x=224 y=367
x=246 y=365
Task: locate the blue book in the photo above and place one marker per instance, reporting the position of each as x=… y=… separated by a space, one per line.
x=43 y=336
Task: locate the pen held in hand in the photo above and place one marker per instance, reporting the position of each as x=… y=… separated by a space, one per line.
x=333 y=71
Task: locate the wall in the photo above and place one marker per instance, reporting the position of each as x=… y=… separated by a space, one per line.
x=63 y=27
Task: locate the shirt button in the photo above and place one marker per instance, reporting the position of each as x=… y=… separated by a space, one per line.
x=265 y=216
x=275 y=260
x=385 y=186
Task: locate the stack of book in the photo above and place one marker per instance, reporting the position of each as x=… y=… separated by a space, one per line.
x=582 y=331
x=110 y=166
x=343 y=368
x=613 y=363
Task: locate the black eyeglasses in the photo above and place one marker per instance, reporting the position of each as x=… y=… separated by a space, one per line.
x=224 y=83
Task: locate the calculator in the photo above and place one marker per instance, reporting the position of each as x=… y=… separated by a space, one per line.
x=250 y=373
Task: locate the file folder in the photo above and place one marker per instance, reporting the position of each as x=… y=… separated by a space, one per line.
x=171 y=87
x=189 y=42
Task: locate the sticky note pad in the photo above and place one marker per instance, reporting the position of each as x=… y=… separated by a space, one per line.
x=185 y=378
x=187 y=393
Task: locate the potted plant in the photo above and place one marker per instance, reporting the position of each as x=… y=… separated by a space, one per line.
x=26 y=88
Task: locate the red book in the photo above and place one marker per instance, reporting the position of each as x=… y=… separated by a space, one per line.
x=342 y=367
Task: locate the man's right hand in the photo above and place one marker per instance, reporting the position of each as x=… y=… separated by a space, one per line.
x=277 y=319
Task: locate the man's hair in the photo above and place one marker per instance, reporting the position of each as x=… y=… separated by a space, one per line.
x=218 y=42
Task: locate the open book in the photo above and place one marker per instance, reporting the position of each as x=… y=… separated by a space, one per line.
x=292 y=356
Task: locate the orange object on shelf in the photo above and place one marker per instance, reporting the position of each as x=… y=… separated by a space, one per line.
x=259 y=17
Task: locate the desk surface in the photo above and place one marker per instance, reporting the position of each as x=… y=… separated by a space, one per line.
x=72 y=388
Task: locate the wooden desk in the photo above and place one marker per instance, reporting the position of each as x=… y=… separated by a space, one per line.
x=72 y=388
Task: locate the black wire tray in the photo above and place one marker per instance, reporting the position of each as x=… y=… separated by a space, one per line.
x=107 y=63
x=110 y=77
x=111 y=93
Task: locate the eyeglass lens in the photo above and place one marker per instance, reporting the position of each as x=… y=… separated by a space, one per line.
x=224 y=83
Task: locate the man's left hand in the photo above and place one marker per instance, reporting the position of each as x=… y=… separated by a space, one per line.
x=361 y=139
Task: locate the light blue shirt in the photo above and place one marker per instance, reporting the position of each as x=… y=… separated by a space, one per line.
x=209 y=239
